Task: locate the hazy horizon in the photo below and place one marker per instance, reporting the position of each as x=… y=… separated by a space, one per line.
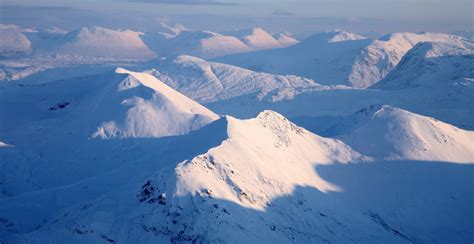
x=296 y=16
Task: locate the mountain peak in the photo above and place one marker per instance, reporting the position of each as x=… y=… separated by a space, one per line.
x=285 y=39
x=429 y=64
x=150 y=108
x=392 y=133
x=269 y=117
x=258 y=38
x=438 y=49
x=341 y=35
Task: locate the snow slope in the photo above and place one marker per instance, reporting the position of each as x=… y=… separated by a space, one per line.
x=261 y=149
x=376 y=60
x=341 y=35
x=98 y=42
x=319 y=57
x=207 y=82
x=340 y=57
x=285 y=39
x=177 y=40
x=257 y=38
x=175 y=29
x=121 y=156
x=432 y=66
x=392 y=133
x=204 y=44
x=256 y=150
x=267 y=180
x=13 y=41
x=165 y=113
x=61 y=121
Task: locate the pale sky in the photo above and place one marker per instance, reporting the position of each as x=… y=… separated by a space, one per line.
x=300 y=15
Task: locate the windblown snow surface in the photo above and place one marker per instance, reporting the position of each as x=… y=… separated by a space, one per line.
x=100 y=154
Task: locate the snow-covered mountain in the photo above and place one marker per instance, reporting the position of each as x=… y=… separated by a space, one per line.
x=392 y=133
x=318 y=58
x=341 y=35
x=266 y=180
x=177 y=40
x=13 y=41
x=207 y=82
x=340 y=57
x=175 y=29
x=432 y=66
x=257 y=38
x=165 y=113
x=54 y=48
x=97 y=42
x=257 y=151
x=285 y=39
x=205 y=44
x=86 y=45
x=92 y=153
x=381 y=56
x=62 y=120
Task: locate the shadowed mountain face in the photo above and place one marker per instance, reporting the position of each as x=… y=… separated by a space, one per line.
x=397 y=201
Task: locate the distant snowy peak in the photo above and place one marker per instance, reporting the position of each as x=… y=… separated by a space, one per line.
x=204 y=44
x=438 y=49
x=340 y=58
x=178 y=40
x=393 y=133
x=285 y=39
x=411 y=39
x=175 y=29
x=219 y=45
x=13 y=41
x=54 y=30
x=103 y=43
x=332 y=36
x=258 y=38
x=142 y=106
x=376 y=60
x=209 y=82
x=340 y=35
x=430 y=64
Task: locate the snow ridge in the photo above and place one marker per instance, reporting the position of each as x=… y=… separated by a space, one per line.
x=340 y=58
x=392 y=133
x=155 y=110
x=207 y=82
x=430 y=65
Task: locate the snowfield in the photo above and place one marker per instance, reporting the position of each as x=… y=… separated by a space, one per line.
x=178 y=136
